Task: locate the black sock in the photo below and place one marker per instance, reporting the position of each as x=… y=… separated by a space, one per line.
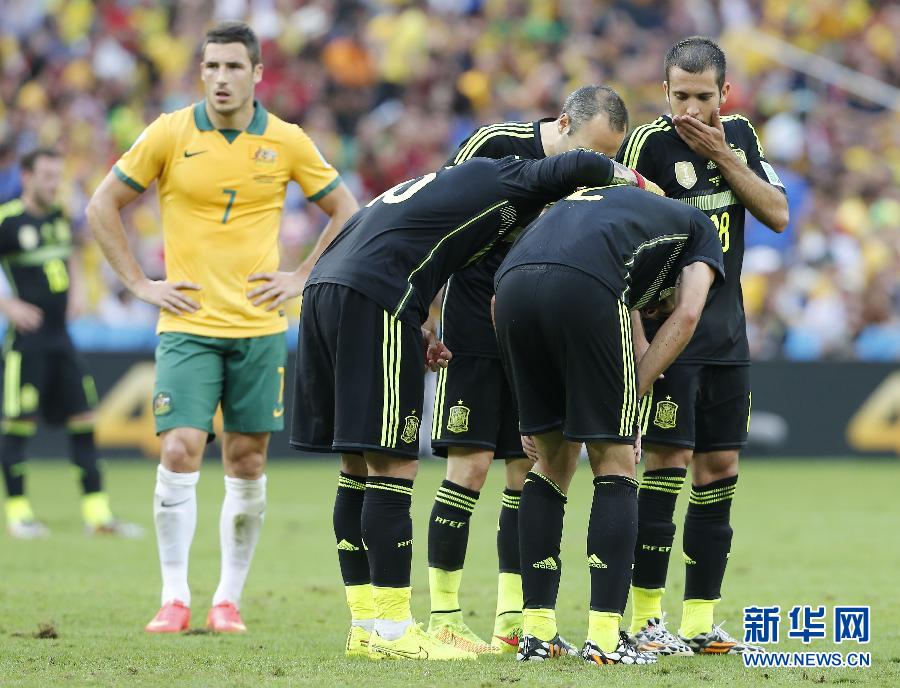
x=656 y=529
x=508 y=532
x=707 y=538
x=83 y=453
x=448 y=530
x=12 y=456
x=540 y=533
x=387 y=530
x=348 y=506
x=612 y=532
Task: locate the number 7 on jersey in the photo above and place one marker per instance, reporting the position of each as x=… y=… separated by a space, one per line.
x=231 y=194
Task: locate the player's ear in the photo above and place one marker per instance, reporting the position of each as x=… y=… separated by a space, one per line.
x=562 y=124
x=726 y=87
x=257 y=73
x=666 y=91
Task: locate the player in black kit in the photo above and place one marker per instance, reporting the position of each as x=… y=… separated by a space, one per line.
x=42 y=371
x=359 y=382
x=698 y=415
x=475 y=418
x=564 y=298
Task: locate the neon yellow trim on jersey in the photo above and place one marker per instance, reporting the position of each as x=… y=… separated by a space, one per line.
x=40 y=255
x=523 y=130
x=439 y=396
x=11 y=209
x=639 y=138
x=18 y=428
x=12 y=380
x=731 y=118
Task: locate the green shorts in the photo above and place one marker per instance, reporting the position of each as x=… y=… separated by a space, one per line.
x=194 y=374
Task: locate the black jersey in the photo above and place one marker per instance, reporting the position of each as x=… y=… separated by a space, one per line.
x=658 y=152
x=632 y=241
x=34 y=251
x=466 y=312
x=401 y=248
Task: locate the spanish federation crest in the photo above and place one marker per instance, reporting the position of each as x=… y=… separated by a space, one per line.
x=410 y=430
x=459 y=418
x=666 y=412
x=685 y=174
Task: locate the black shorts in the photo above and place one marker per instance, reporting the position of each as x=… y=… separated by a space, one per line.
x=566 y=344
x=359 y=381
x=474 y=407
x=699 y=407
x=51 y=381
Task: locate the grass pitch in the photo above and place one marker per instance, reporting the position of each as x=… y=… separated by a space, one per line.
x=806 y=533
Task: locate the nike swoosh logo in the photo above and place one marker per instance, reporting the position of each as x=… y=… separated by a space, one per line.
x=191 y=155
x=509 y=641
x=278 y=413
x=157 y=624
x=421 y=654
x=174 y=503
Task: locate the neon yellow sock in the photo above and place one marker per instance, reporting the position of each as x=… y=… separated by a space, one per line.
x=444 y=588
x=392 y=604
x=18 y=509
x=95 y=509
x=541 y=623
x=509 y=593
x=361 y=601
x=603 y=629
x=646 y=604
x=697 y=617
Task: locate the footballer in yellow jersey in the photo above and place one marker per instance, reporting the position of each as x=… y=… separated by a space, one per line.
x=221 y=167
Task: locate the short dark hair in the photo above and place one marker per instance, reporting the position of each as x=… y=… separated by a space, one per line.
x=695 y=55
x=235 y=32
x=29 y=160
x=587 y=102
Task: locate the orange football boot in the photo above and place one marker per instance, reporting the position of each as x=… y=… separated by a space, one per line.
x=225 y=618
x=173 y=617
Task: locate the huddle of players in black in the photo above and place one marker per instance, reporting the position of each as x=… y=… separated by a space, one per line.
x=567 y=294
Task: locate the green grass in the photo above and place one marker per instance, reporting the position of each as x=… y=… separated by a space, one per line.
x=806 y=533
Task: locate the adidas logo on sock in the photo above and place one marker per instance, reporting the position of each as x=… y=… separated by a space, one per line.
x=549 y=563
x=596 y=563
x=347 y=547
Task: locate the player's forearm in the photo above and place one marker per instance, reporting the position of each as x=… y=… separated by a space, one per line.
x=638 y=336
x=325 y=238
x=668 y=343
x=764 y=201
x=105 y=221
x=339 y=205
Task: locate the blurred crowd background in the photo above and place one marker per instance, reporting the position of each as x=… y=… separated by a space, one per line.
x=388 y=89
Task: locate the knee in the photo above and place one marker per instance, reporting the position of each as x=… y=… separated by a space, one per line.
x=247 y=465
x=181 y=453
x=709 y=467
x=391 y=467
x=468 y=469
x=657 y=456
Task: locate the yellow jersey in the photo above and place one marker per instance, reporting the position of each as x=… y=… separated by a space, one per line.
x=221 y=193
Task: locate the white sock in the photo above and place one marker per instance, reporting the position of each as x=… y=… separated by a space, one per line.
x=366 y=624
x=391 y=630
x=175 y=515
x=243 y=512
